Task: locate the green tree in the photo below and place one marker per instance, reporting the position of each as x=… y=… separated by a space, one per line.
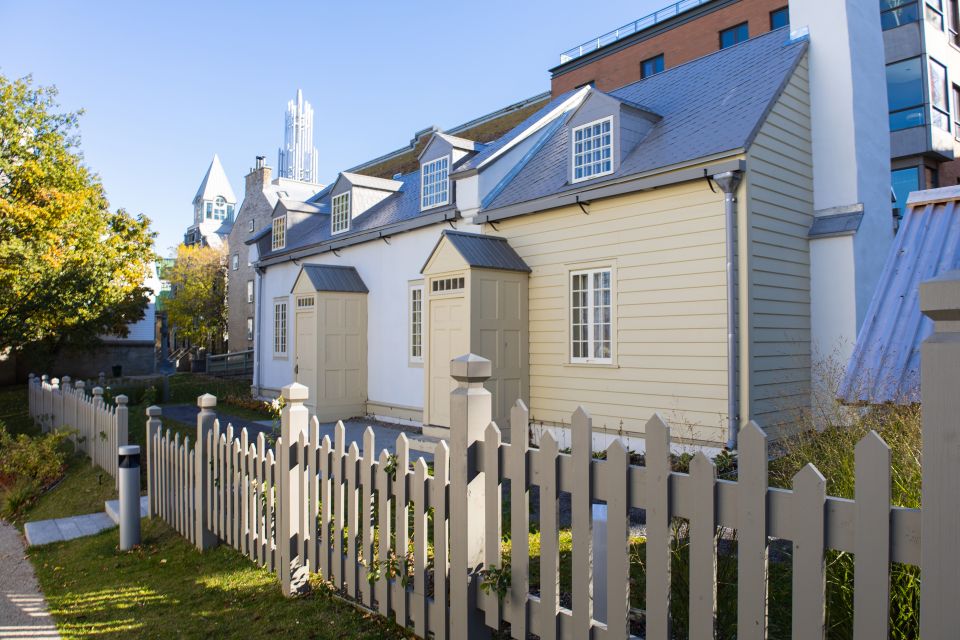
x=70 y=268
x=198 y=279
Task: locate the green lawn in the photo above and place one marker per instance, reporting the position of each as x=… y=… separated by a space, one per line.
x=167 y=589
x=83 y=490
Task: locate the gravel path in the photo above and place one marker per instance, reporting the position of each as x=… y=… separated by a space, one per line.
x=23 y=610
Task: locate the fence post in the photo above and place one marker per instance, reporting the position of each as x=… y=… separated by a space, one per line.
x=940 y=515
x=120 y=420
x=294 y=420
x=201 y=498
x=471 y=410
x=66 y=402
x=94 y=436
x=78 y=405
x=153 y=428
x=32 y=409
x=56 y=406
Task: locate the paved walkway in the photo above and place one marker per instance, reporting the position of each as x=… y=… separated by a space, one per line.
x=60 y=529
x=23 y=610
x=385 y=434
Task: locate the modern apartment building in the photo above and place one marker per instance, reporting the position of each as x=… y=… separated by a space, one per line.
x=922 y=53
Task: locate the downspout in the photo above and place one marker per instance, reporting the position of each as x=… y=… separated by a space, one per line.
x=728 y=182
x=257 y=316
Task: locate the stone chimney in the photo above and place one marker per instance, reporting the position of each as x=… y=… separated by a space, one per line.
x=853 y=225
x=259 y=176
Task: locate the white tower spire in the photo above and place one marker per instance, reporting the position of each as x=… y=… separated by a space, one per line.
x=298 y=156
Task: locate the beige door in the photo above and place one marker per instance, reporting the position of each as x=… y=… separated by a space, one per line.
x=306 y=348
x=448 y=340
x=342 y=355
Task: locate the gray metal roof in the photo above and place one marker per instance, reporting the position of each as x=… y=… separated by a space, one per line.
x=885 y=365
x=711 y=105
x=838 y=224
x=329 y=277
x=484 y=252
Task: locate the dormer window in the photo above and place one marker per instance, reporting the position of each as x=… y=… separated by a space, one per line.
x=340 y=213
x=435 y=183
x=279 y=238
x=593 y=150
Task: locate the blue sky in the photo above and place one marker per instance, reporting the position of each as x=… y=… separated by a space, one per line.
x=165 y=85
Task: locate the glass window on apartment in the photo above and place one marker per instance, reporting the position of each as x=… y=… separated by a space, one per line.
x=280 y=328
x=593 y=150
x=779 y=18
x=903 y=181
x=953 y=18
x=249 y=290
x=249 y=328
x=416 y=323
x=734 y=35
x=905 y=94
x=235 y=262
x=939 y=95
x=956 y=112
x=934 y=14
x=591 y=323
x=651 y=66
x=894 y=13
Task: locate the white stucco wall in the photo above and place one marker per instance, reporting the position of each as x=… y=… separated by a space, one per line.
x=851 y=153
x=387 y=271
x=833 y=309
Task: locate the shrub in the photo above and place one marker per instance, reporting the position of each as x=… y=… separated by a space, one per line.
x=38 y=459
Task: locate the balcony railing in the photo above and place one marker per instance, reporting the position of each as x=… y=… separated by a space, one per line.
x=631 y=28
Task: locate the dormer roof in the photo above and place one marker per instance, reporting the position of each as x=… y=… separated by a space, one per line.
x=215 y=183
x=457 y=143
x=367 y=182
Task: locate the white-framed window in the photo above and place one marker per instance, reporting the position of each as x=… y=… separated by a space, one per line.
x=252 y=225
x=416 y=323
x=220 y=208
x=279 y=238
x=280 y=328
x=435 y=183
x=592 y=150
x=340 y=213
x=235 y=261
x=249 y=290
x=591 y=316
x=249 y=328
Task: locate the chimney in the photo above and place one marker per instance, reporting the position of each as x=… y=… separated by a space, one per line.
x=259 y=176
x=851 y=165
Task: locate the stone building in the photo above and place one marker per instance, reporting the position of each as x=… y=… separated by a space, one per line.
x=261 y=195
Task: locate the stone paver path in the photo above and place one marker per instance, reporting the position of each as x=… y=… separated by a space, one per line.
x=60 y=529
x=23 y=610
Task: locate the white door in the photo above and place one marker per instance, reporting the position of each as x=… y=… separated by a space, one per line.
x=305 y=367
x=448 y=340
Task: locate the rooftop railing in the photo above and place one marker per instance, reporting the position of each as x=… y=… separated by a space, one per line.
x=630 y=28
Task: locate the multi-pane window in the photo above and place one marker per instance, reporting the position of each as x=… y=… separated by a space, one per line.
x=939 y=93
x=209 y=210
x=905 y=94
x=593 y=150
x=956 y=112
x=779 y=18
x=416 y=323
x=435 y=183
x=651 y=66
x=220 y=208
x=279 y=238
x=340 y=213
x=734 y=35
x=894 y=13
x=235 y=262
x=280 y=328
x=590 y=316
x=249 y=328
x=934 y=14
x=249 y=290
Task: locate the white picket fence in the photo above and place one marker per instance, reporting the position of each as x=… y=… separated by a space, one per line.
x=323 y=507
x=98 y=428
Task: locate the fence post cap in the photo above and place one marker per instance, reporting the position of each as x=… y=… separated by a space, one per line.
x=98 y=391
x=129 y=450
x=295 y=392
x=81 y=384
x=44 y=377
x=470 y=368
x=55 y=381
x=153 y=411
x=66 y=379
x=940 y=296
x=121 y=399
x=207 y=401
x=30 y=375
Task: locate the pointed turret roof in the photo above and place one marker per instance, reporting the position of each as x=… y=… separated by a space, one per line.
x=215 y=184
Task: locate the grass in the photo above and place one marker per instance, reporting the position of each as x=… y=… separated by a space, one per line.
x=83 y=490
x=167 y=589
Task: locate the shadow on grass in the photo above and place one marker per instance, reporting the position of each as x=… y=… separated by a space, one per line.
x=166 y=588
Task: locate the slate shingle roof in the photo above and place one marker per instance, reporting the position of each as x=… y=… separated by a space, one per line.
x=708 y=106
x=329 y=277
x=486 y=252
